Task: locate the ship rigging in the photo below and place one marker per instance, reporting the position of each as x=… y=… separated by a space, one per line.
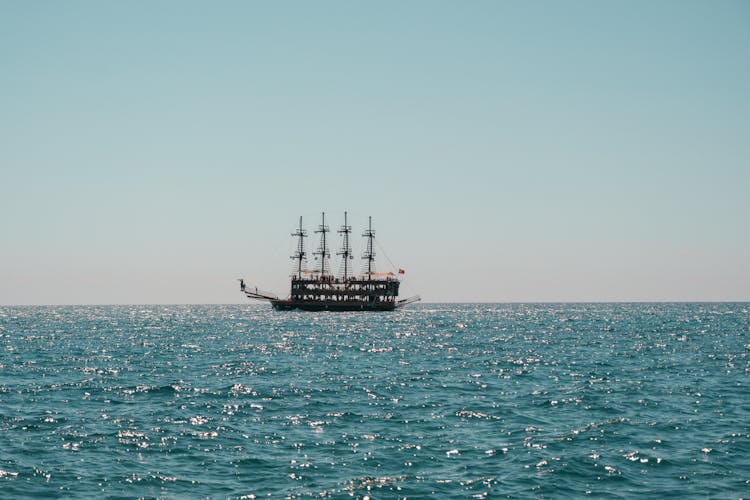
x=319 y=289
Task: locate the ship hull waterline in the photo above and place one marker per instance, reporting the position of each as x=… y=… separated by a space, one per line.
x=289 y=305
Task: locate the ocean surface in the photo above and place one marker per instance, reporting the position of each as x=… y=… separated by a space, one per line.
x=444 y=400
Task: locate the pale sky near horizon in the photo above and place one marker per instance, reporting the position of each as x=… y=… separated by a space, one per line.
x=153 y=152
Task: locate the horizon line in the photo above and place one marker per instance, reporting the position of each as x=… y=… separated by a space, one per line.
x=420 y=303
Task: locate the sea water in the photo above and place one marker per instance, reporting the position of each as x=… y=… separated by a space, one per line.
x=444 y=400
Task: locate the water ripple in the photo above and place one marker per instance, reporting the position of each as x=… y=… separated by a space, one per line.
x=470 y=400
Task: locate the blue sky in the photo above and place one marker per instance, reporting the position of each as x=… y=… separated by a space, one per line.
x=152 y=152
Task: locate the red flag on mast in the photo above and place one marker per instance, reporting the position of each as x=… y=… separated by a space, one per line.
x=401 y=271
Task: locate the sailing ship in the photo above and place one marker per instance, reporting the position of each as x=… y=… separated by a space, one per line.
x=319 y=289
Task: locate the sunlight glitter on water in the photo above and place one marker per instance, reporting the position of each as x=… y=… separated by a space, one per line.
x=442 y=400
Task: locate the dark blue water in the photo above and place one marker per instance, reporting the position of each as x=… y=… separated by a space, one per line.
x=607 y=400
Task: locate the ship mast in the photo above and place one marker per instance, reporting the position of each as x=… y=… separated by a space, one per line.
x=346 y=250
x=369 y=253
x=299 y=255
x=323 y=248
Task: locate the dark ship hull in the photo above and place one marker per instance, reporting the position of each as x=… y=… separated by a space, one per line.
x=316 y=305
